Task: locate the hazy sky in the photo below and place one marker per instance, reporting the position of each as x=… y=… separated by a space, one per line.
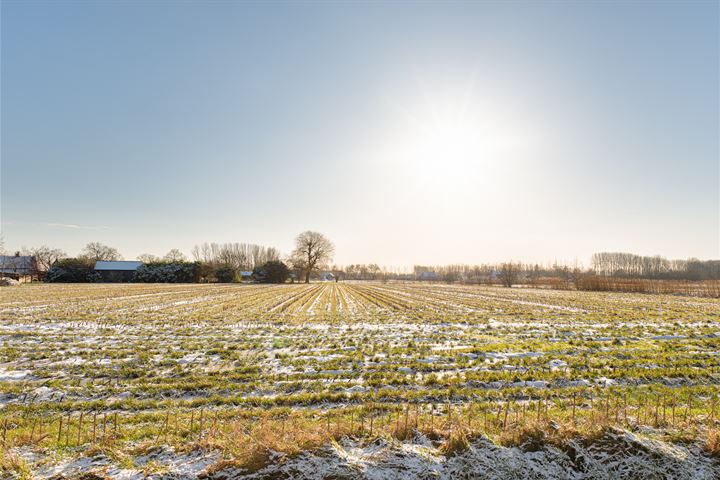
x=406 y=132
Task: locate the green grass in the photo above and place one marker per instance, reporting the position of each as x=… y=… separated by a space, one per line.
x=161 y=356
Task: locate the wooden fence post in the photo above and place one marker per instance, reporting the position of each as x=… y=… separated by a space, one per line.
x=625 y=414
x=167 y=425
x=407 y=410
x=80 y=424
x=712 y=410
x=32 y=430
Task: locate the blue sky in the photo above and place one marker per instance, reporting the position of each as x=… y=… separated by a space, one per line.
x=407 y=132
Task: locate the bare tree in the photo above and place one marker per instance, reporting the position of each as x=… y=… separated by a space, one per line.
x=508 y=274
x=240 y=256
x=313 y=250
x=45 y=258
x=97 y=251
x=148 y=258
x=175 y=256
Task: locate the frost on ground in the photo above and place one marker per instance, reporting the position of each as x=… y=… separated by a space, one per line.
x=160 y=462
x=152 y=364
x=616 y=454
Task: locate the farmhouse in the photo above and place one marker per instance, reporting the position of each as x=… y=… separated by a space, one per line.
x=117 y=271
x=327 y=277
x=17 y=266
x=429 y=276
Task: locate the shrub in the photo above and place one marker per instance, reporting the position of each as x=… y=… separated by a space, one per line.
x=206 y=272
x=272 y=272
x=71 y=270
x=168 y=272
x=225 y=274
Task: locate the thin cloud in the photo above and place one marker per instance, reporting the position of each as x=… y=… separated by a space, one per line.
x=77 y=227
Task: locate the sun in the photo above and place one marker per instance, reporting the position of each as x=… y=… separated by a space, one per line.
x=452 y=142
x=448 y=140
x=445 y=150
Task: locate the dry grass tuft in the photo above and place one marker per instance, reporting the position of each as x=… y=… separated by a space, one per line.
x=532 y=437
x=536 y=435
x=253 y=444
x=404 y=432
x=712 y=443
x=144 y=448
x=456 y=443
x=12 y=466
x=434 y=433
x=220 y=466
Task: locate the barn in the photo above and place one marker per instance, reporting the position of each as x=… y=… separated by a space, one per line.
x=17 y=266
x=117 y=271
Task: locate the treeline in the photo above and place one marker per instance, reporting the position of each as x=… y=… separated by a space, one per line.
x=239 y=256
x=617 y=265
x=619 y=272
x=214 y=262
x=234 y=262
x=225 y=263
x=628 y=265
x=370 y=271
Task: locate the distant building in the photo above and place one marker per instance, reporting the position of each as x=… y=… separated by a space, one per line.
x=327 y=277
x=17 y=266
x=117 y=271
x=429 y=276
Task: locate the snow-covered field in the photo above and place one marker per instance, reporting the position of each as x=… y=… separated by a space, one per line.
x=178 y=380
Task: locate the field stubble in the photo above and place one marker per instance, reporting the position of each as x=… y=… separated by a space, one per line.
x=355 y=379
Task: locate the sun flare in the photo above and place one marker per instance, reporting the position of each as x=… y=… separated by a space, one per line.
x=451 y=139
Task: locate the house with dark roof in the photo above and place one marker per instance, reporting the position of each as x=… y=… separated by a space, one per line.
x=17 y=266
x=117 y=271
